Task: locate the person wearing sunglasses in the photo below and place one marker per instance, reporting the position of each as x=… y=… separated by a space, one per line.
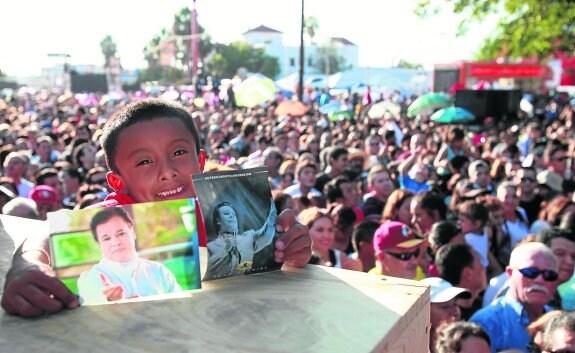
x=532 y=273
x=396 y=250
x=560 y=334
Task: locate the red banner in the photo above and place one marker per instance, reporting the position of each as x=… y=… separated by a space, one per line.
x=495 y=70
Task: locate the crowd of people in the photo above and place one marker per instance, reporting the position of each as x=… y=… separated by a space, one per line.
x=485 y=216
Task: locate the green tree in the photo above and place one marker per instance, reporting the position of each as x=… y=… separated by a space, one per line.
x=404 y=64
x=525 y=28
x=108 y=47
x=182 y=29
x=328 y=60
x=311 y=27
x=229 y=58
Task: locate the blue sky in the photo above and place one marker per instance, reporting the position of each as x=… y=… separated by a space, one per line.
x=384 y=30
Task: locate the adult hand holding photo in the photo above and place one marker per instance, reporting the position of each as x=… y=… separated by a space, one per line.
x=293 y=247
x=32 y=290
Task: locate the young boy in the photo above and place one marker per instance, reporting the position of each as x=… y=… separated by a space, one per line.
x=152 y=149
x=472 y=219
x=380 y=187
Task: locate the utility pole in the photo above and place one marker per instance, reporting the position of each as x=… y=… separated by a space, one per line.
x=301 y=56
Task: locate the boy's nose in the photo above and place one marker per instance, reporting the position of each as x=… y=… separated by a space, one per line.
x=168 y=169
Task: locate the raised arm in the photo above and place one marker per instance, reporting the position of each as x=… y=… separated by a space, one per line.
x=265 y=235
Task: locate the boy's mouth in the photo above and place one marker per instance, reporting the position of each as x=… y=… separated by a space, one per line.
x=171 y=192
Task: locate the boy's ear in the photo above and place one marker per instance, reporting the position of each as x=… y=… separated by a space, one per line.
x=202 y=160
x=115 y=181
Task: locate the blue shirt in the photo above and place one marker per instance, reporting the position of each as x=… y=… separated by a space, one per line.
x=405 y=182
x=506 y=321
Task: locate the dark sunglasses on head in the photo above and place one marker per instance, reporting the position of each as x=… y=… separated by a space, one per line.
x=533 y=272
x=404 y=256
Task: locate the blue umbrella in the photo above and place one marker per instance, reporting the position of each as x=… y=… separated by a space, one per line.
x=331 y=107
x=452 y=115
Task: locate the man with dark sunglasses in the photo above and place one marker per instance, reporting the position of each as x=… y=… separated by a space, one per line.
x=529 y=199
x=396 y=250
x=532 y=273
x=560 y=334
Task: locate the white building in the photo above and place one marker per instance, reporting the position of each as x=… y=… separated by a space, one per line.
x=288 y=56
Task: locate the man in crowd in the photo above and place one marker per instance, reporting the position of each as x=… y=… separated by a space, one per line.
x=526 y=182
x=396 y=250
x=461 y=266
x=15 y=167
x=533 y=277
x=337 y=162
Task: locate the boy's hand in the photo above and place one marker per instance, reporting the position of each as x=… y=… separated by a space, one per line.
x=294 y=246
x=32 y=290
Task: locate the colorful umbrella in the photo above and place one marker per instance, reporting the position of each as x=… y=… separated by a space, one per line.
x=255 y=90
x=452 y=115
x=291 y=108
x=427 y=103
x=331 y=107
x=379 y=109
x=340 y=115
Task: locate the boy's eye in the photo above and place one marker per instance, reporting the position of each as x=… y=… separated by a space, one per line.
x=143 y=162
x=180 y=152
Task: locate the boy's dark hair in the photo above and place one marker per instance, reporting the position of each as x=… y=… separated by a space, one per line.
x=144 y=110
x=248 y=129
x=451 y=337
x=92 y=172
x=332 y=189
x=105 y=215
x=546 y=236
x=73 y=173
x=451 y=260
x=455 y=134
x=475 y=211
x=431 y=201
x=458 y=162
x=336 y=152
x=363 y=232
x=44 y=174
x=442 y=232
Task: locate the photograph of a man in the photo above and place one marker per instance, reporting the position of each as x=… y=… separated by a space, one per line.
x=232 y=252
x=121 y=273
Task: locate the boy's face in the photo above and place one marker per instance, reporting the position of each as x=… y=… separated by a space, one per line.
x=466 y=224
x=156 y=160
x=382 y=184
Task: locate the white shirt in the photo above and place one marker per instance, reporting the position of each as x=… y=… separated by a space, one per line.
x=479 y=243
x=138 y=277
x=517 y=230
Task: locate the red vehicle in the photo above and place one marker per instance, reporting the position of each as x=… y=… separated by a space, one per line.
x=463 y=74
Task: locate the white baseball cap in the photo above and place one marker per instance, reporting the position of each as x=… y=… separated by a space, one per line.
x=442 y=291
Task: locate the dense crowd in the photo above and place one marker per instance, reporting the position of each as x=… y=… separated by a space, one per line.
x=484 y=214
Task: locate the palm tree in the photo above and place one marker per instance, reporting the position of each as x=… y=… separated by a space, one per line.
x=108 y=47
x=311 y=27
